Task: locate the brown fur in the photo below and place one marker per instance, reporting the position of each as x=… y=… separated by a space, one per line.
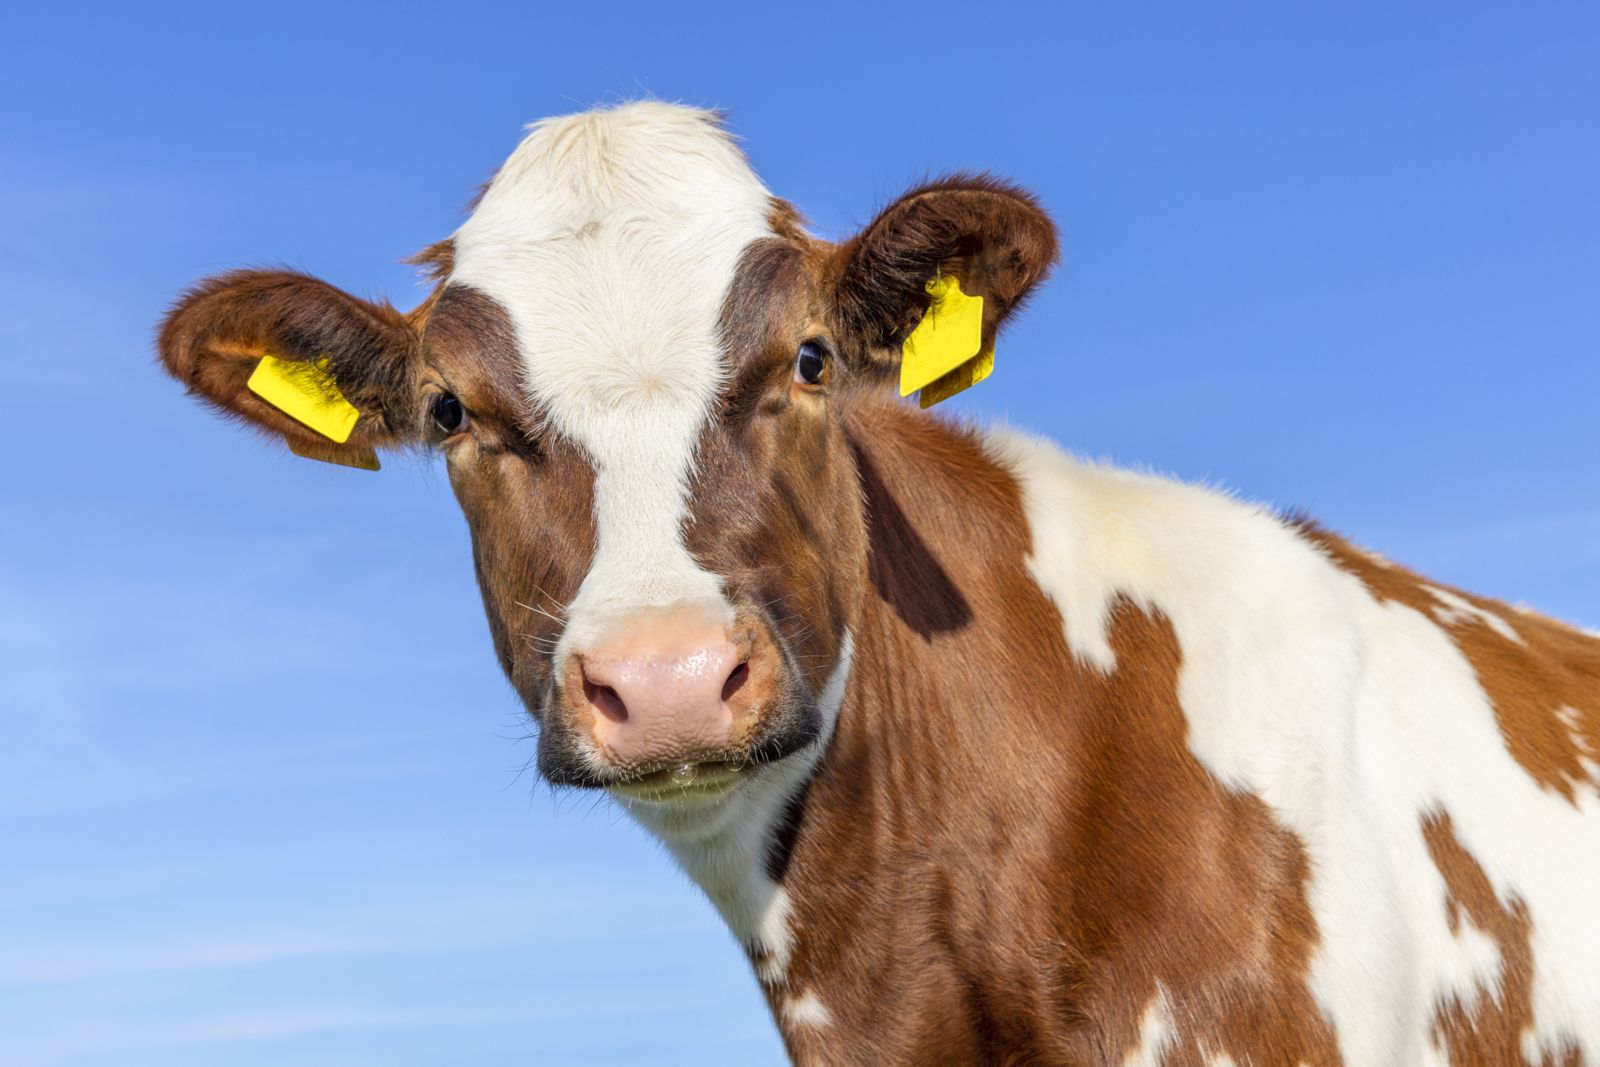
x=1487 y=1031
x=436 y=261
x=772 y=503
x=985 y=876
x=788 y=225
x=527 y=497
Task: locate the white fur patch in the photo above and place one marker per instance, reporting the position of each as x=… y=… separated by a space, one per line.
x=1454 y=608
x=1156 y=1033
x=611 y=238
x=1475 y=970
x=1587 y=756
x=806 y=1010
x=1352 y=719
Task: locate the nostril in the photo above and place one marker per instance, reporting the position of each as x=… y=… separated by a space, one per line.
x=606 y=699
x=736 y=680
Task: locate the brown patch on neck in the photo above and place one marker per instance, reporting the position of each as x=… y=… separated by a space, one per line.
x=1007 y=856
x=1545 y=689
x=1486 y=1031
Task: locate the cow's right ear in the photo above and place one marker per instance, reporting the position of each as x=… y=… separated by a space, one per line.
x=988 y=235
x=217 y=335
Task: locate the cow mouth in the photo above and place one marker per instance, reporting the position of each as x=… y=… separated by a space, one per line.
x=791 y=724
x=705 y=780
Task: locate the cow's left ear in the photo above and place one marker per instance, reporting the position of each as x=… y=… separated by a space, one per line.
x=990 y=235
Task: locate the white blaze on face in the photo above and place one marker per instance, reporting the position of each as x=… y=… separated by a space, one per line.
x=611 y=239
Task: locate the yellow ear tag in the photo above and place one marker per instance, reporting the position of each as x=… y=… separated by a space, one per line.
x=942 y=357
x=361 y=458
x=959 y=380
x=305 y=391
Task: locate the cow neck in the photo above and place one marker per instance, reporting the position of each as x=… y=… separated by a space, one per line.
x=996 y=843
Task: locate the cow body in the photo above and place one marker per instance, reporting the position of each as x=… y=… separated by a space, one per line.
x=1238 y=791
x=984 y=754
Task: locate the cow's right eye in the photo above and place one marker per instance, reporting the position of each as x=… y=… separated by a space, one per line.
x=449 y=414
x=809 y=363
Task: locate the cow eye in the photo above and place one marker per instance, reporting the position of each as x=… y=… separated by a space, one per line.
x=809 y=363
x=449 y=414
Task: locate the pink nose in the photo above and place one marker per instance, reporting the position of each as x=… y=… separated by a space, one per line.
x=667 y=691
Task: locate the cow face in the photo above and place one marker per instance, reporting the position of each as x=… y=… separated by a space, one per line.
x=639 y=370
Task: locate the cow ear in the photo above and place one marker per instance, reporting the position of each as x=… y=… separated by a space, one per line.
x=991 y=236
x=329 y=351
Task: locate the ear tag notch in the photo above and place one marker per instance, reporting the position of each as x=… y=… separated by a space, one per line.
x=305 y=391
x=361 y=458
x=945 y=354
x=959 y=380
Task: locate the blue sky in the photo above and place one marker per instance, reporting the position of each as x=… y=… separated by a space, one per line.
x=261 y=789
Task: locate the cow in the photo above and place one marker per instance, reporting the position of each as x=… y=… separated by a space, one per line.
x=984 y=754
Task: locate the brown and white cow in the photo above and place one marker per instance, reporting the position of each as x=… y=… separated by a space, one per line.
x=985 y=754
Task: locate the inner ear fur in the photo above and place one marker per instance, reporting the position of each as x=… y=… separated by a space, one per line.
x=989 y=234
x=216 y=334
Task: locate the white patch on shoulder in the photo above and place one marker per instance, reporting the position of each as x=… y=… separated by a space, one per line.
x=724 y=848
x=1453 y=609
x=1352 y=719
x=806 y=1010
x=611 y=238
x=1156 y=1033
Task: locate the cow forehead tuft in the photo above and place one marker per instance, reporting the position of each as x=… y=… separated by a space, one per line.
x=653 y=165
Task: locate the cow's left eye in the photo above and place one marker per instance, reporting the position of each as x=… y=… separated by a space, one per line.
x=448 y=414
x=809 y=363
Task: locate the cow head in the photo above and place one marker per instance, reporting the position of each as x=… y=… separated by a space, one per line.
x=639 y=370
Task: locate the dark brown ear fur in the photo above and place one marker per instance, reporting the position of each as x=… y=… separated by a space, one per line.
x=215 y=335
x=991 y=235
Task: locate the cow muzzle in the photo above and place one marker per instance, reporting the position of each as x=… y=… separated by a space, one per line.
x=677 y=702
